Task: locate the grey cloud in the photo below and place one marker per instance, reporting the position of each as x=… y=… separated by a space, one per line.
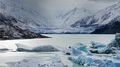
x=105 y=0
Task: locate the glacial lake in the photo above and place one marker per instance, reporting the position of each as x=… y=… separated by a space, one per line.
x=57 y=40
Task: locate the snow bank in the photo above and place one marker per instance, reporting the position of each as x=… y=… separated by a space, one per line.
x=54 y=61
x=45 y=48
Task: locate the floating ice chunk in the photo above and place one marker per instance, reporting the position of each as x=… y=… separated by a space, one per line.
x=97 y=45
x=4 y=49
x=94 y=61
x=100 y=63
x=67 y=51
x=79 y=48
x=117 y=57
x=21 y=47
x=45 y=48
x=101 y=50
x=76 y=52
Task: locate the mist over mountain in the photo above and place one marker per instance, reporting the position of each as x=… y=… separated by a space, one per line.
x=51 y=16
x=15 y=20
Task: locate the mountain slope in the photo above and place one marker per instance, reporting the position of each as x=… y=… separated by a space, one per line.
x=111 y=28
x=103 y=20
x=73 y=15
x=33 y=18
x=10 y=30
x=28 y=15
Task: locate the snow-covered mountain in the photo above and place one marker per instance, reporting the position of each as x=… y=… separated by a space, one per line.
x=33 y=18
x=62 y=21
x=73 y=15
x=24 y=12
x=106 y=20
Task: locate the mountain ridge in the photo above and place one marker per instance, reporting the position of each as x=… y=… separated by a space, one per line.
x=103 y=18
x=9 y=29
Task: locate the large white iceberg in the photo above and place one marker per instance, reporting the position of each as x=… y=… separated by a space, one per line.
x=45 y=48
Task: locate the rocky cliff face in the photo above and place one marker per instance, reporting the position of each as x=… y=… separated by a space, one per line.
x=9 y=29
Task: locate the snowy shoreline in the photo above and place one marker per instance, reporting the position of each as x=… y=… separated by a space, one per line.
x=54 y=61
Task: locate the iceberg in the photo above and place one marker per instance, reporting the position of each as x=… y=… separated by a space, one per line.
x=45 y=48
x=96 y=60
x=98 y=55
x=99 y=63
x=97 y=45
x=80 y=48
x=113 y=47
x=67 y=51
x=117 y=57
x=77 y=49
x=4 y=49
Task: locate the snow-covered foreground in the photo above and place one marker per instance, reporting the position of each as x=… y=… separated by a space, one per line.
x=54 y=61
x=12 y=59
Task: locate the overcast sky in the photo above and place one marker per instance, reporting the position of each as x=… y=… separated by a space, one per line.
x=65 y=5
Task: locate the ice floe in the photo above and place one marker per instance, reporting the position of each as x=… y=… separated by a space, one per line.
x=97 y=55
x=45 y=48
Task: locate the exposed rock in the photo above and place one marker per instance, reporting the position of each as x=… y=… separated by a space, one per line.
x=10 y=30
